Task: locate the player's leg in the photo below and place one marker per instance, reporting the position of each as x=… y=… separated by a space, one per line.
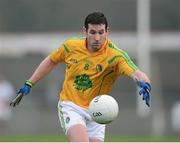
x=77 y=133
x=96 y=132
x=94 y=139
x=72 y=122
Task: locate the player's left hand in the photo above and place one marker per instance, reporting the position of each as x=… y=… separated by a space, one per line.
x=145 y=90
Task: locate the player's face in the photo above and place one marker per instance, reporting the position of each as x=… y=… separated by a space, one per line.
x=96 y=35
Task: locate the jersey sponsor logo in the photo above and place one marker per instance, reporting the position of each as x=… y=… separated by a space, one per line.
x=99 y=67
x=82 y=82
x=73 y=60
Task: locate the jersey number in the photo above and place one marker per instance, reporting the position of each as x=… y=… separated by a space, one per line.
x=86 y=66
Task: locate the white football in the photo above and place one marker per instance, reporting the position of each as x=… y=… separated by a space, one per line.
x=103 y=109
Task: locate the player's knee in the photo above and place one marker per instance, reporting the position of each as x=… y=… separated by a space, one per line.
x=77 y=133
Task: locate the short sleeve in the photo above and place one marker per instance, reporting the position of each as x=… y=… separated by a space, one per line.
x=58 y=55
x=125 y=65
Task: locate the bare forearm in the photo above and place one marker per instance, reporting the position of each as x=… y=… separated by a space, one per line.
x=140 y=76
x=42 y=70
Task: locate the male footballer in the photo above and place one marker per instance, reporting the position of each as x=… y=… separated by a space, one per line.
x=93 y=63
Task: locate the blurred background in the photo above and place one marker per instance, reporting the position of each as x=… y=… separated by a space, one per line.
x=148 y=30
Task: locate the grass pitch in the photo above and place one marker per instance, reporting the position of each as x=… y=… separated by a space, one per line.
x=109 y=138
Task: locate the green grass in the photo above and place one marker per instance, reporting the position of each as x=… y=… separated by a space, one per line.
x=60 y=138
x=33 y=138
x=141 y=139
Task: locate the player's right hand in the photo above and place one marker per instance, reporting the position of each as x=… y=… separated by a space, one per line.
x=22 y=92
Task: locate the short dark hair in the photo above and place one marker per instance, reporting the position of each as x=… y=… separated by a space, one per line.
x=95 y=18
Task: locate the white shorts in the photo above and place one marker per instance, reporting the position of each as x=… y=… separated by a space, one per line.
x=71 y=114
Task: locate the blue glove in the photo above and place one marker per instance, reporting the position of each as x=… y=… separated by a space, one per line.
x=145 y=90
x=23 y=91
